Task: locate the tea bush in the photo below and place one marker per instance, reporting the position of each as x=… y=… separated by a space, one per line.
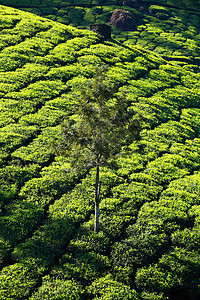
x=164 y=214
x=19 y=221
x=5 y=248
x=81 y=265
x=55 y=180
x=108 y=288
x=58 y=289
x=17 y=280
x=187 y=238
x=39 y=92
x=47 y=243
x=14 y=135
x=172 y=274
x=47 y=116
x=139 y=249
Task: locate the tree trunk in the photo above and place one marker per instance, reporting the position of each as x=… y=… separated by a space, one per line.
x=96 y=198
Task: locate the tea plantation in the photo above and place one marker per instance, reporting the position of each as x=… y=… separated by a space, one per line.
x=148 y=246
x=168 y=27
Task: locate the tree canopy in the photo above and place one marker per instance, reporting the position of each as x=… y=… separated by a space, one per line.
x=103 y=123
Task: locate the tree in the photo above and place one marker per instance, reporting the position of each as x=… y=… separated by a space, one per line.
x=102 y=124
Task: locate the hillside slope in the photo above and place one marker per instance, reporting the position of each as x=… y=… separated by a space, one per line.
x=148 y=246
x=167 y=27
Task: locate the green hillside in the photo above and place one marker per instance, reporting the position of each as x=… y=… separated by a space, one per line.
x=167 y=27
x=148 y=245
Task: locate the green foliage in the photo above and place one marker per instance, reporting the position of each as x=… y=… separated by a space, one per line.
x=89 y=16
x=47 y=116
x=107 y=288
x=75 y=16
x=157 y=141
x=20 y=77
x=5 y=248
x=174 y=272
x=39 y=92
x=188 y=184
x=135 y=194
x=167 y=168
x=157 y=9
x=18 y=175
x=14 y=135
x=67 y=72
x=154 y=276
x=17 y=280
x=20 y=220
x=100 y=123
x=164 y=214
x=195 y=214
x=187 y=238
x=46 y=244
x=188 y=151
x=7 y=192
x=55 y=180
x=150 y=215
x=153 y=296
x=139 y=249
x=78 y=209
x=109 y=53
x=190 y=116
x=99 y=129
x=39 y=150
x=54 y=288
x=122 y=73
x=81 y=265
